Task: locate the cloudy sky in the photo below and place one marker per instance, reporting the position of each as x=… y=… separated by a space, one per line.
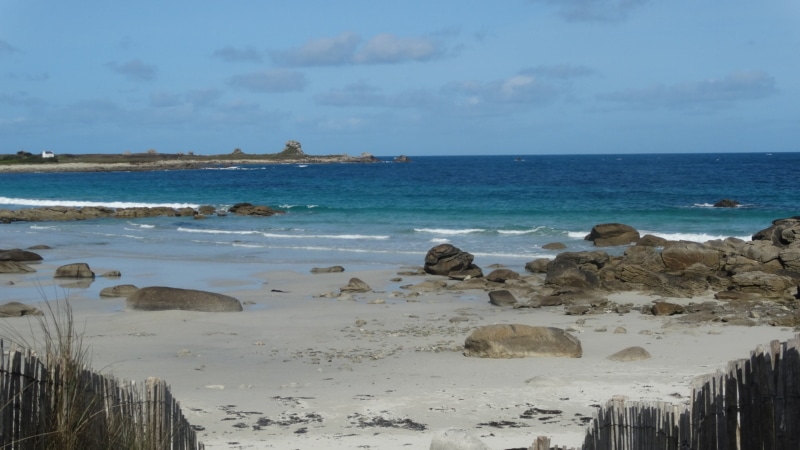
x=415 y=77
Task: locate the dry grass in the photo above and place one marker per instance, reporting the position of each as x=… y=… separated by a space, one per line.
x=78 y=416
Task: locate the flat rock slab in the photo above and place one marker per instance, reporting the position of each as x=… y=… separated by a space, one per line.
x=159 y=298
x=519 y=341
x=630 y=354
x=16 y=309
x=15 y=267
x=121 y=290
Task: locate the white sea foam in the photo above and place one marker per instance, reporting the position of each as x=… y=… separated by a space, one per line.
x=287 y=206
x=693 y=237
x=577 y=234
x=141 y=225
x=520 y=232
x=80 y=203
x=288 y=236
x=40 y=227
x=439 y=241
x=449 y=231
x=195 y=230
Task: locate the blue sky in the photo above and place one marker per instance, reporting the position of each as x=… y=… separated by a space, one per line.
x=389 y=78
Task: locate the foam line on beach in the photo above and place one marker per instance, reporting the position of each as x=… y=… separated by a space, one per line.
x=82 y=203
x=289 y=236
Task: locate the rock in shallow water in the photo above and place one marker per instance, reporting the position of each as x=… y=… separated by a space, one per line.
x=158 y=298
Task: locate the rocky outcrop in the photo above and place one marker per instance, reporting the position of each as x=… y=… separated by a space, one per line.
x=355 y=286
x=122 y=290
x=292 y=149
x=612 y=234
x=726 y=203
x=331 y=269
x=16 y=309
x=445 y=258
x=19 y=255
x=576 y=269
x=15 y=267
x=248 y=209
x=782 y=233
x=519 y=341
x=502 y=297
x=683 y=255
x=630 y=354
x=74 y=270
x=502 y=275
x=65 y=213
x=158 y=298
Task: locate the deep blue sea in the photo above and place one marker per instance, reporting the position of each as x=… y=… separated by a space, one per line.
x=500 y=208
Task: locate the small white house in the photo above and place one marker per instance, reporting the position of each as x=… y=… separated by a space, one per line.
x=48 y=154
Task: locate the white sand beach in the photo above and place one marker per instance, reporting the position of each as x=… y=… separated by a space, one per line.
x=298 y=369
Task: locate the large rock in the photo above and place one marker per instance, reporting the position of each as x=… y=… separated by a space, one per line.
x=501 y=275
x=519 y=341
x=19 y=255
x=74 y=270
x=763 y=284
x=15 y=267
x=538 y=265
x=446 y=258
x=682 y=255
x=612 y=234
x=158 y=298
x=456 y=439
x=122 y=290
x=782 y=232
x=248 y=209
x=145 y=211
x=790 y=258
x=726 y=203
x=356 y=285
x=16 y=309
x=502 y=297
x=565 y=271
x=630 y=354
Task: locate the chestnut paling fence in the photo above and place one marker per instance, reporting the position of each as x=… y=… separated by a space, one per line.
x=61 y=407
x=753 y=404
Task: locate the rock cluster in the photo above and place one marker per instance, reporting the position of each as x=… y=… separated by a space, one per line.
x=754 y=281
x=62 y=213
x=766 y=267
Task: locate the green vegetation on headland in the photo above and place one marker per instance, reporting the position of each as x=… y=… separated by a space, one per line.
x=153 y=160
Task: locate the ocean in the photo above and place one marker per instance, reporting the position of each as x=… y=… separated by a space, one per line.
x=502 y=209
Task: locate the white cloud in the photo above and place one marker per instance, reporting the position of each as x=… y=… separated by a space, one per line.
x=134 y=70
x=320 y=52
x=715 y=92
x=387 y=48
x=346 y=49
x=275 y=80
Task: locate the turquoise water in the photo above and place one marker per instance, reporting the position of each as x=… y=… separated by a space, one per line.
x=500 y=208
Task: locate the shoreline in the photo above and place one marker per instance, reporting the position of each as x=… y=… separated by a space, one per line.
x=299 y=368
x=157 y=162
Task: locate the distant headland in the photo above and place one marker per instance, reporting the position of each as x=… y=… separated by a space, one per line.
x=49 y=161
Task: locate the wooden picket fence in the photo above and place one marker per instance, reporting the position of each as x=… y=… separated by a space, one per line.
x=65 y=407
x=753 y=404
